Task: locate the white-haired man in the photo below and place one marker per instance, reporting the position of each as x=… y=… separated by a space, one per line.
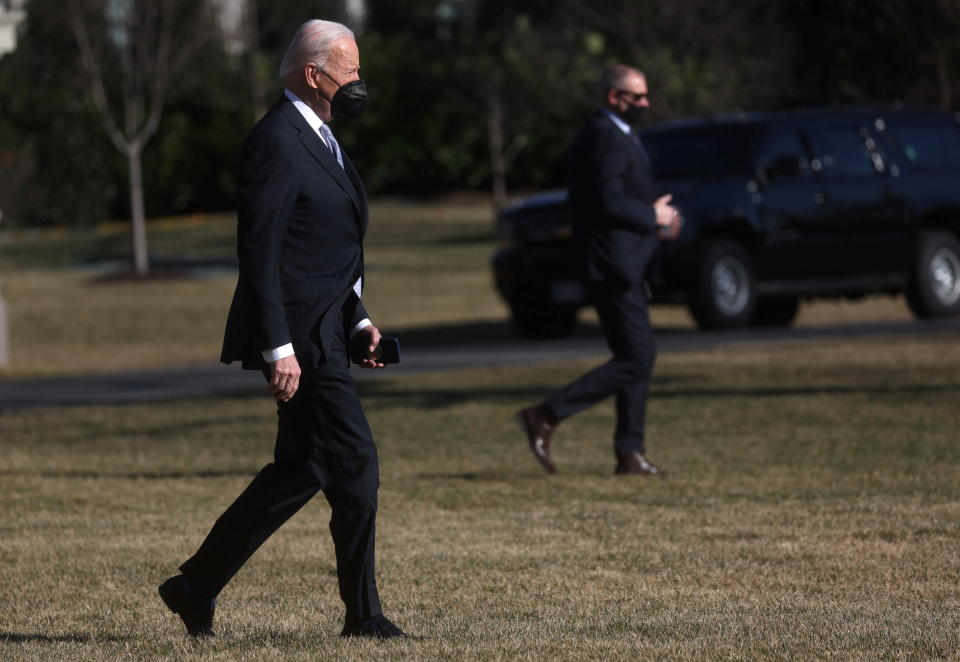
x=297 y=316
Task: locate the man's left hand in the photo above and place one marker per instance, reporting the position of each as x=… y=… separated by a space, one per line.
x=364 y=344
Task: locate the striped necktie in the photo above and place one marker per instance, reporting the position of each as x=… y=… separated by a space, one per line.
x=331 y=142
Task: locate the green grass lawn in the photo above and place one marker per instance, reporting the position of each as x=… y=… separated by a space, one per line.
x=811 y=512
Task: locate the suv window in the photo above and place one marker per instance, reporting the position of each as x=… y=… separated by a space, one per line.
x=783 y=156
x=928 y=145
x=703 y=153
x=848 y=153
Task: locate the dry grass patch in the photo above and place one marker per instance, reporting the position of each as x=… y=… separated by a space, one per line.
x=427 y=265
x=429 y=279
x=811 y=512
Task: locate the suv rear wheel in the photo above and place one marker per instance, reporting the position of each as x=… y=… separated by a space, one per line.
x=724 y=292
x=934 y=289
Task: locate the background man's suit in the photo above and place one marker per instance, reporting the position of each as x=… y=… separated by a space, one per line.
x=302 y=218
x=611 y=195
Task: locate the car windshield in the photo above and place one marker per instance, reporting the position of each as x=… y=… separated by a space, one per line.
x=698 y=153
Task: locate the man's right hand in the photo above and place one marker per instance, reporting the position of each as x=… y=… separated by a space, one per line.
x=284 y=378
x=668 y=218
x=665 y=212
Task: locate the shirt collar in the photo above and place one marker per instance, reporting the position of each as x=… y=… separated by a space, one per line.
x=312 y=118
x=623 y=126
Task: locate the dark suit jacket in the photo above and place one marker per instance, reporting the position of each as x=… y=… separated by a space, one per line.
x=611 y=195
x=301 y=222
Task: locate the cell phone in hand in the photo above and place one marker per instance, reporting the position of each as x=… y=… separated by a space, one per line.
x=388 y=351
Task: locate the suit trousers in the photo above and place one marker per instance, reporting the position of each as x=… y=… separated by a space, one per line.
x=625 y=320
x=323 y=443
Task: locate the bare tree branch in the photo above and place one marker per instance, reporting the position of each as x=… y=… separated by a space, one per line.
x=143 y=36
x=94 y=77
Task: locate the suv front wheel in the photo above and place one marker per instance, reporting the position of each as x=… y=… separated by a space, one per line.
x=934 y=289
x=724 y=292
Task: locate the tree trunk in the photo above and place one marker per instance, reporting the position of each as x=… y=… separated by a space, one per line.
x=137 y=215
x=251 y=35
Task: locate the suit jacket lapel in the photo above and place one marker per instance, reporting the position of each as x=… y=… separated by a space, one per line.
x=322 y=153
x=361 y=192
x=643 y=150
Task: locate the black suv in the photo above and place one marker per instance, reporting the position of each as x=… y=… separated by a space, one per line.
x=777 y=207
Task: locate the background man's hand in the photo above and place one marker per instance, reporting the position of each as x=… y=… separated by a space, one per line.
x=672 y=231
x=284 y=378
x=669 y=219
x=364 y=344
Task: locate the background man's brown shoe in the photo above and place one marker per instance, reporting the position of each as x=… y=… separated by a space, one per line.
x=535 y=422
x=636 y=464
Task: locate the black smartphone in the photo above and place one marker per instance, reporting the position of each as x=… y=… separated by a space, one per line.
x=388 y=351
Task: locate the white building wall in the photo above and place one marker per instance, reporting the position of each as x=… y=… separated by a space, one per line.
x=11 y=13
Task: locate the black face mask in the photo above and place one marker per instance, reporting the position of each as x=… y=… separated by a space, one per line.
x=350 y=100
x=634 y=115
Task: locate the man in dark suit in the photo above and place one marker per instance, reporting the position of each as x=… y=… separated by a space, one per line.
x=618 y=223
x=297 y=316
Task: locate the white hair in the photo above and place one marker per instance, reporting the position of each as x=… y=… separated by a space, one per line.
x=311 y=45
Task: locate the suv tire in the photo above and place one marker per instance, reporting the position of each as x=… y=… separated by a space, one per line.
x=775 y=311
x=724 y=292
x=934 y=289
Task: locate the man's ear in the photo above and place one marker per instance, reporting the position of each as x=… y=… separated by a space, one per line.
x=309 y=75
x=611 y=97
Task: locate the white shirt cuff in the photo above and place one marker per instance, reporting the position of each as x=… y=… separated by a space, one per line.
x=362 y=324
x=271 y=355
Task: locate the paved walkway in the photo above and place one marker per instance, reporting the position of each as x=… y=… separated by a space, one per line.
x=217 y=379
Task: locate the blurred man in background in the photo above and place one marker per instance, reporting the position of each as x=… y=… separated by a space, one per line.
x=617 y=225
x=297 y=316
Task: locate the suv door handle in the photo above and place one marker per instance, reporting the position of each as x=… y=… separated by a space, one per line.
x=819 y=198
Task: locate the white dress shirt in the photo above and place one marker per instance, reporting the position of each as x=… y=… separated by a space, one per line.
x=623 y=126
x=271 y=355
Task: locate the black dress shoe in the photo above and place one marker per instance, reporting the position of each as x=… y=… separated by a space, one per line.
x=539 y=428
x=377 y=627
x=636 y=464
x=194 y=610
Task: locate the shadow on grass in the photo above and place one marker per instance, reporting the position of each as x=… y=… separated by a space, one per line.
x=467 y=476
x=294 y=640
x=461 y=239
x=473 y=333
x=23 y=638
x=136 y=475
x=909 y=389
x=80 y=430
x=441 y=398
